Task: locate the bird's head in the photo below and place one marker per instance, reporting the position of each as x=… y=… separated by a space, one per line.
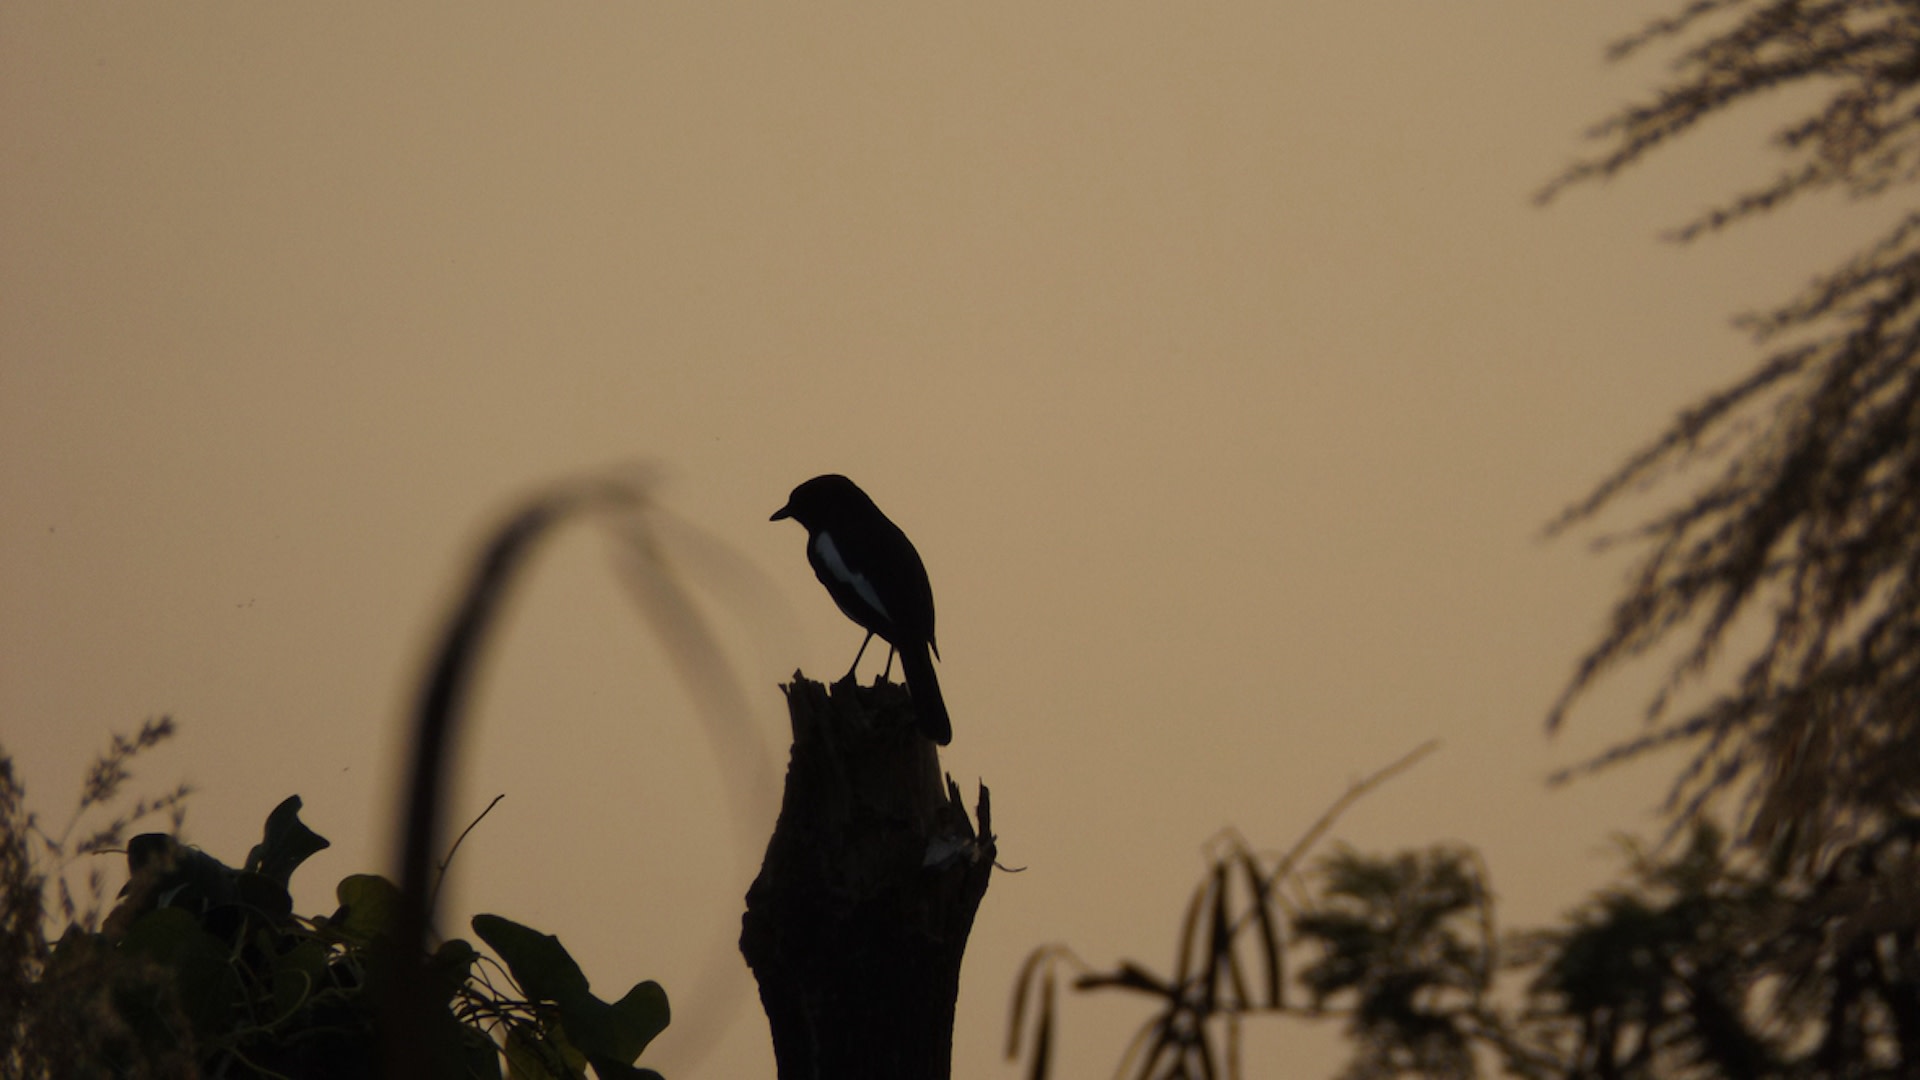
x=821 y=499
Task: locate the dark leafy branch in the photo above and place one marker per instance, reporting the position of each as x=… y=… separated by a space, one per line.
x=1802 y=527
x=1862 y=56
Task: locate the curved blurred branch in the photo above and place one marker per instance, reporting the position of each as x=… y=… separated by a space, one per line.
x=624 y=498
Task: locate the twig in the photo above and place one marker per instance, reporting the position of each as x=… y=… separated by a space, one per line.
x=433 y=900
x=1283 y=869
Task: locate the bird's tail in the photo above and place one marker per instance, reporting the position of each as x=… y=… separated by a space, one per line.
x=916 y=663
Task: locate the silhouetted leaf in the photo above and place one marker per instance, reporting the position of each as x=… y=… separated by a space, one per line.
x=613 y=1070
x=264 y=895
x=1130 y=976
x=540 y=964
x=617 y=1032
x=369 y=907
x=544 y=969
x=1043 y=1031
x=1021 y=983
x=1190 y=933
x=287 y=843
x=1208 y=1070
x=297 y=973
x=450 y=967
x=529 y=1058
x=1161 y=1046
x=172 y=874
x=1270 y=944
x=197 y=961
x=1221 y=949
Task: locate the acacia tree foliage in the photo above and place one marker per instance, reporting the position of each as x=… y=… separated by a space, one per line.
x=1704 y=965
x=1806 y=526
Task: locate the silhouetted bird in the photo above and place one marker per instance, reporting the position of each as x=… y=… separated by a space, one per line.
x=872 y=571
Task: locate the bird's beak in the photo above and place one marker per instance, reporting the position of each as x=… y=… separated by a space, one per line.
x=783 y=513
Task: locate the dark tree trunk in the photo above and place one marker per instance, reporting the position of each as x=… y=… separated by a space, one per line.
x=857 y=922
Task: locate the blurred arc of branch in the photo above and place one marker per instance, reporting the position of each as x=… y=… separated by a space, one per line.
x=644 y=537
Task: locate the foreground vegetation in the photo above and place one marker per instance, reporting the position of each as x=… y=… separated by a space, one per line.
x=203 y=969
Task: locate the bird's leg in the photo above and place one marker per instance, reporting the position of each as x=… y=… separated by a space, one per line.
x=888 y=673
x=858 y=655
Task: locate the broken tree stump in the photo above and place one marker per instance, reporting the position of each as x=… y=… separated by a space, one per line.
x=856 y=925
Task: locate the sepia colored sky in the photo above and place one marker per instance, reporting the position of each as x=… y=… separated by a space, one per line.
x=1213 y=355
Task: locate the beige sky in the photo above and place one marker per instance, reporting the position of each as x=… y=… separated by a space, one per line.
x=1213 y=356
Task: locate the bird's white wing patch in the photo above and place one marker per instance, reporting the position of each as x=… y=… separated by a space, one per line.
x=830 y=555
